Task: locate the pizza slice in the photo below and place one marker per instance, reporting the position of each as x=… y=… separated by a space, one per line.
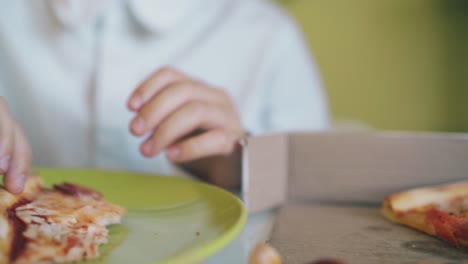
x=440 y=211
x=62 y=224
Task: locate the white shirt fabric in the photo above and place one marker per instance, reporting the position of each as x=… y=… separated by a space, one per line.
x=67 y=68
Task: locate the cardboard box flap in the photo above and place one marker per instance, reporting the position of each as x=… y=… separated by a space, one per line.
x=265 y=171
x=348 y=167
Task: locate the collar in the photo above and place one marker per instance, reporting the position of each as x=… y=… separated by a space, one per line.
x=155 y=16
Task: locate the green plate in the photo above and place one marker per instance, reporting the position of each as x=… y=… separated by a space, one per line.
x=170 y=220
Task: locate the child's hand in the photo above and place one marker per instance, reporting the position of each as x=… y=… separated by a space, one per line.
x=188 y=118
x=15 y=153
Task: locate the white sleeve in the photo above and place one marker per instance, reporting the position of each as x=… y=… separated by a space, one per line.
x=291 y=86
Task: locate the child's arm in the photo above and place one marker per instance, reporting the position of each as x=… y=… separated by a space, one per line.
x=15 y=153
x=196 y=124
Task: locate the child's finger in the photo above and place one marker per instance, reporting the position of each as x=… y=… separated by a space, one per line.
x=152 y=86
x=190 y=117
x=169 y=100
x=20 y=163
x=6 y=137
x=211 y=143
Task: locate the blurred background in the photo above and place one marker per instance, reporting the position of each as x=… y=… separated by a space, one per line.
x=390 y=64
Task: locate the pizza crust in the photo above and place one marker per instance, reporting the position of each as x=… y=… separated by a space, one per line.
x=420 y=197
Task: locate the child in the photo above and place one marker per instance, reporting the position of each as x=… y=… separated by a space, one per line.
x=93 y=83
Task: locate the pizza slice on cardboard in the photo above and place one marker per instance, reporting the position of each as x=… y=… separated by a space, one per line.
x=440 y=211
x=54 y=225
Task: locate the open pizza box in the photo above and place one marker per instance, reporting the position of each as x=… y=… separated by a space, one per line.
x=328 y=189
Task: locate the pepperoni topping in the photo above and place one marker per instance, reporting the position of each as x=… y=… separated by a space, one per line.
x=77 y=191
x=18 y=227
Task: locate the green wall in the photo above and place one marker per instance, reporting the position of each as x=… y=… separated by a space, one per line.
x=391 y=64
